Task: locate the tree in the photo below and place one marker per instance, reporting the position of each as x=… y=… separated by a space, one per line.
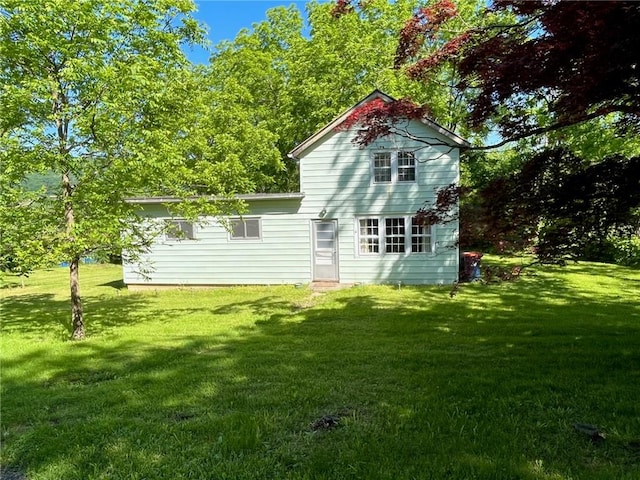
x=525 y=55
x=256 y=67
x=99 y=93
x=553 y=76
x=569 y=206
x=295 y=79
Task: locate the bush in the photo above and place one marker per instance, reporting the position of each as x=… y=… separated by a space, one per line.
x=626 y=251
x=621 y=250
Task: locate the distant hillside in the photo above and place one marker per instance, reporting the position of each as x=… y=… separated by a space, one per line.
x=36 y=181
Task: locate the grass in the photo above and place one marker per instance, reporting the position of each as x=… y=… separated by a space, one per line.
x=228 y=383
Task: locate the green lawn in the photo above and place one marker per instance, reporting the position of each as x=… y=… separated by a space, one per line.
x=231 y=383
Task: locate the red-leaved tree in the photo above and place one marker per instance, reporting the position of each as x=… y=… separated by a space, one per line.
x=535 y=67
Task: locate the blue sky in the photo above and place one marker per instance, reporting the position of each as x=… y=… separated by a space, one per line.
x=225 y=18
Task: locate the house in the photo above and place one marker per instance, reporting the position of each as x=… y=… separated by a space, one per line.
x=352 y=221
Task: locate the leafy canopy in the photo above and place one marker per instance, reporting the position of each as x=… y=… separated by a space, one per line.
x=562 y=79
x=100 y=94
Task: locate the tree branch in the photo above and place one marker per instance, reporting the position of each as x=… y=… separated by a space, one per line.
x=601 y=112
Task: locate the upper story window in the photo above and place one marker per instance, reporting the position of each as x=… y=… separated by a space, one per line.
x=406 y=167
x=246 y=229
x=180 y=230
x=382 y=167
x=394 y=167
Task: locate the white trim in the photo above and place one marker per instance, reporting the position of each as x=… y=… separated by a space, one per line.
x=359 y=252
x=213 y=198
x=372 y=161
x=431 y=236
x=298 y=151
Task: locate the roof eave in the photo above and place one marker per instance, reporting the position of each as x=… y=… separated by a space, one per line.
x=297 y=152
x=456 y=139
x=213 y=198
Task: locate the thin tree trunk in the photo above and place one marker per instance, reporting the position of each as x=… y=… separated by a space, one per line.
x=77 y=317
x=62 y=122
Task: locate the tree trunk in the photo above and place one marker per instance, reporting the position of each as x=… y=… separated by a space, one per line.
x=77 y=317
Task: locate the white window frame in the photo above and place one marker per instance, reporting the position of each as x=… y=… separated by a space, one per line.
x=395 y=235
x=175 y=225
x=396 y=170
x=412 y=166
x=378 y=171
x=426 y=233
x=245 y=237
x=369 y=240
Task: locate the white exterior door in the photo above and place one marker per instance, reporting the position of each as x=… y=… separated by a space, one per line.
x=325 y=250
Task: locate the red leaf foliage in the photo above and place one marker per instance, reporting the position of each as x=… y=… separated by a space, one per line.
x=450 y=50
x=378 y=118
x=425 y=23
x=583 y=57
x=341 y=7
x=444 y=209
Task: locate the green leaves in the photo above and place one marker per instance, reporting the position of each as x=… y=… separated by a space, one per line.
x=99 y=93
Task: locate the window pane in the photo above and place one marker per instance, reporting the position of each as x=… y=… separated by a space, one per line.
x=382 y=167
x=368 y=226
x=406 y=167
x=243 y=229
x=420 y=237
x=187 y=229
x=369 y=239
x=179 y=230
x=369 y=245
x=237 y=229
x=252 y=228
x=394 y=235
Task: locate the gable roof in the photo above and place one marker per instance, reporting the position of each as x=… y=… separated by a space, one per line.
x=376 y=94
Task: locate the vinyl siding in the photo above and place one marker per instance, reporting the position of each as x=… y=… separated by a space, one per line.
x=281 y=255
x=335 y=177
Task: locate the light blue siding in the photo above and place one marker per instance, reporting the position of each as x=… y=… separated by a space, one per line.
x=336 y=182
x=281 y=255
x=336 y=177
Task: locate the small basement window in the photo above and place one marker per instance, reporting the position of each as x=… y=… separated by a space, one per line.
x=246 y=229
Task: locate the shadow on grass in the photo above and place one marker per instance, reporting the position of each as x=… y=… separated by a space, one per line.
x=42 y=314
x=485 y=385
x=117 y=284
